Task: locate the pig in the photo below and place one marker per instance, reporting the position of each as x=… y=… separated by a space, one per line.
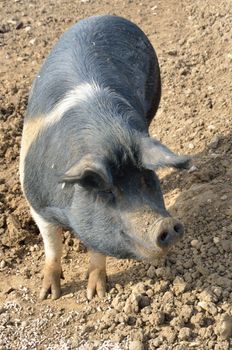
x=87 y=162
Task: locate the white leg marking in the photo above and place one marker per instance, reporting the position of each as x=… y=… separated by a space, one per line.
x=52 y=237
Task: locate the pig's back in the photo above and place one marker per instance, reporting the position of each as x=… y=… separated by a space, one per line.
x=107 y=50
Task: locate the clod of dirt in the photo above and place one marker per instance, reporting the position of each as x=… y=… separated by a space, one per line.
x=209 y=307
x=226 y=326
x=179 y=285
x=136 y=345
x=180 y=302
x=151 y=272
x=214 y=142
x=185 y=333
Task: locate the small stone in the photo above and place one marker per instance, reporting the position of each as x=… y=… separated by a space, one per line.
x=224 y=197
x=117 y=303
x=151 y=272
x=226 y=245
x=179 y=285
x=67 y=296
x=2 y=264
x=186 y=312
x=132 y=305
x=226 y=326
x=143 y=301
x=163 y=272
x=19 y=25
x=172 y=52
x=139 y=288
x=191 y=146
x=118 y=287
x=214 y=142
x=209 y=307
x=195 y=243
x=192 y=169
x=2 y=310
x=24 y=324
x=4 y=29
x=207 y=296
x=216 y=240
x=32 y=41
x=185 y=333
x=217 y=291
x=211 y=127
x=136 y=345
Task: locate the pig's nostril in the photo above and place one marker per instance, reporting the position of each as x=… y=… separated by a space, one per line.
x=178 y=228
x=163 y=236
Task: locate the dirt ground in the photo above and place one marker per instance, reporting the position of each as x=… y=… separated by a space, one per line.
x=183 y=301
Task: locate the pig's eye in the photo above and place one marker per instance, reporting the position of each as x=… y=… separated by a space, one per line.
x=107 y=195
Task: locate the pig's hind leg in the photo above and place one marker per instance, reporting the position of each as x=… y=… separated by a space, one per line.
x=97 y=275
x=52 y=273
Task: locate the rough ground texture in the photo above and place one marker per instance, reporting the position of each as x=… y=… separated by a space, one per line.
x=183 y=301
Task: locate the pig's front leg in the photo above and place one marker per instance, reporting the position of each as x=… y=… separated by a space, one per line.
x=97 y=275
x=52 y=273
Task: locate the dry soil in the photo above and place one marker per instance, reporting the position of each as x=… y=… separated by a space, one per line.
x=183 y=301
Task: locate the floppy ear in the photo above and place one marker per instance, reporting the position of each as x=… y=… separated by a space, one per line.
x=89 y=172
x=155 y=155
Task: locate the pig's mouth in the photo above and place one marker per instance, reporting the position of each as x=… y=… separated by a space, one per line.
x=144 y=250
x=149 y=255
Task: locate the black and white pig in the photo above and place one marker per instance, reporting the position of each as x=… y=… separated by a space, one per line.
x=87 y=162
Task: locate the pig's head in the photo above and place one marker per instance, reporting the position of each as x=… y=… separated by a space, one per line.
x=118 y=207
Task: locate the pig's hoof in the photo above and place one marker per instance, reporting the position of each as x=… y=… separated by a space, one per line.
x=51 y=283
x=96 y=283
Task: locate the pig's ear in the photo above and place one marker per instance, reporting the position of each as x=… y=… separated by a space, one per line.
x=89 y=172
x=155 y=155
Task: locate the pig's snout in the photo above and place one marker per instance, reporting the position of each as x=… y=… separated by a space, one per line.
x=168 y=232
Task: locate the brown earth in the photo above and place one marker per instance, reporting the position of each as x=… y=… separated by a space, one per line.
x=183 y=301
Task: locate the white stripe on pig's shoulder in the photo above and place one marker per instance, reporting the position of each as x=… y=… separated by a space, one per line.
x=81 y=93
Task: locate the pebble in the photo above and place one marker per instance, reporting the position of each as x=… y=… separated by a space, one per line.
x=32 y=41
x=209 y=307
x=151 y=272
x=216 y=240
x=191 y=146
x=24 y=324
x=136 y=345
x=19 y=25
x=226 y=245
x=195 y=243
x=179 y=285
x=224 y=197
x=217 y=291
x=2 y=310
x=132 y=305
x=2 y=264
x=67 y=296
x=192 y=169
x=226 y=326
x=214 y=142
x=184 y=333
x=172 y=52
